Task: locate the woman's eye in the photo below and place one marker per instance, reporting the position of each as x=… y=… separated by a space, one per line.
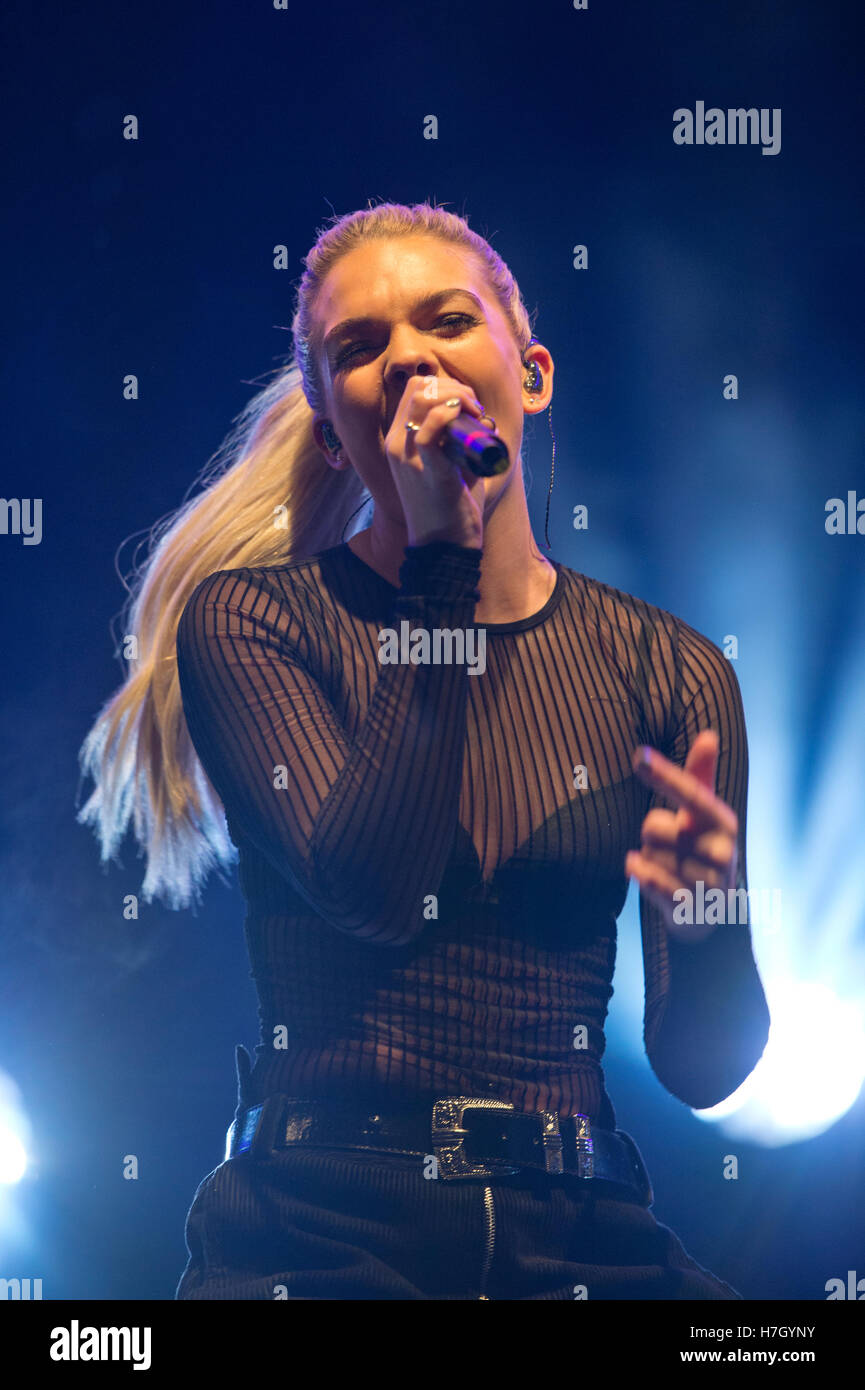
x=456 y=319
x=444 y=321
x=348 y=352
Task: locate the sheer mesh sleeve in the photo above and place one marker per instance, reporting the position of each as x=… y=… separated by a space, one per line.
x=706 y=1020
x=360 y=828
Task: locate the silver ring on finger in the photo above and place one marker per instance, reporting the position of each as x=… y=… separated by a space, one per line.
x=410 y=425
x=454 y=400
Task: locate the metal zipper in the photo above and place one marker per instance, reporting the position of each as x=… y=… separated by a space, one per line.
x=489 y=1207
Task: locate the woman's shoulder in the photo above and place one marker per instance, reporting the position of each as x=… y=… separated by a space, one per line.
x=286 y=598
x=637 y=620
x=616 y=605
x=280 y=580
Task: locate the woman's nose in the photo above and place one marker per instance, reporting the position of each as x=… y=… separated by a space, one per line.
x=408 y=355
x=408 y=365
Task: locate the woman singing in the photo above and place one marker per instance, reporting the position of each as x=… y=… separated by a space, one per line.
x=434 y=853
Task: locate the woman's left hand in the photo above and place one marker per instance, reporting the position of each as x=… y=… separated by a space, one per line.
x=696 y=842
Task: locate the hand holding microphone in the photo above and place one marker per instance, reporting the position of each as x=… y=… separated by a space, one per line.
x=474 y=444
x=428 y=436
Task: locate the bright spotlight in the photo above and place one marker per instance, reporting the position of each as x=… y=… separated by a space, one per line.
x=14 y=1132
x=809 y=1075
x=13 y=1159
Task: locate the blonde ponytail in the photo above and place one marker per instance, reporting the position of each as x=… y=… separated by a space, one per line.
x=269 y=497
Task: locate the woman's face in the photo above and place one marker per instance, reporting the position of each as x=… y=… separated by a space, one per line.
x=425 y=308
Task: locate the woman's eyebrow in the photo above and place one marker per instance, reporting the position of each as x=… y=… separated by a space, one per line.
x=426 y=301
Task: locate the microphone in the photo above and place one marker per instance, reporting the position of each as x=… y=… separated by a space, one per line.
x=466 y=440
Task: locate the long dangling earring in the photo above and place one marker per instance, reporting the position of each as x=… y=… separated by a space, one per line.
x=534 y=382
x=364 y=503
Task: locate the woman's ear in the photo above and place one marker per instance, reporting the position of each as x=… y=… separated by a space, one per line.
x=538 y=372
x=329 y=443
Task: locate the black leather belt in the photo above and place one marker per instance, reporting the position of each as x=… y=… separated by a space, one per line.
x=467 y=1136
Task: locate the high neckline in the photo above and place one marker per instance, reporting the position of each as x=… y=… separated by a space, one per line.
x=519 y=625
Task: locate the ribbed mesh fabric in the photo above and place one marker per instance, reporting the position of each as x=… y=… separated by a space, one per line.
x=432 y=892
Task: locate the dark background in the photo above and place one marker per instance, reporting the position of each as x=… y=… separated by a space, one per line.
x=155 y=257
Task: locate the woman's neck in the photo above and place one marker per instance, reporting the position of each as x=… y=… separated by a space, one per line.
x=515 y=580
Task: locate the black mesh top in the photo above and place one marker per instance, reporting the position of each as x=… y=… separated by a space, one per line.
x=432 y=889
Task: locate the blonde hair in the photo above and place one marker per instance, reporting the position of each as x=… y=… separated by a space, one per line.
x=268 y=497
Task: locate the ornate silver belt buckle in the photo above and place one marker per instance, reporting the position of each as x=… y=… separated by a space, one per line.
x=585 y=1146
x=449 y=1134
x=448 y=1137
x=551 y=1139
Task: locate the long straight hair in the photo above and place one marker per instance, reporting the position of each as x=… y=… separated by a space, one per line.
x=267 y=497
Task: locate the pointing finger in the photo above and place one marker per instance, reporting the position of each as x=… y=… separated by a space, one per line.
x=686 y=790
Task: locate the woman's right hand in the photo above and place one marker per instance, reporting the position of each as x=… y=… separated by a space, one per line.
x=441 y=500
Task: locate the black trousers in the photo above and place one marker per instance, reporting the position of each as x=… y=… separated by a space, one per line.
x=302 y=1223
